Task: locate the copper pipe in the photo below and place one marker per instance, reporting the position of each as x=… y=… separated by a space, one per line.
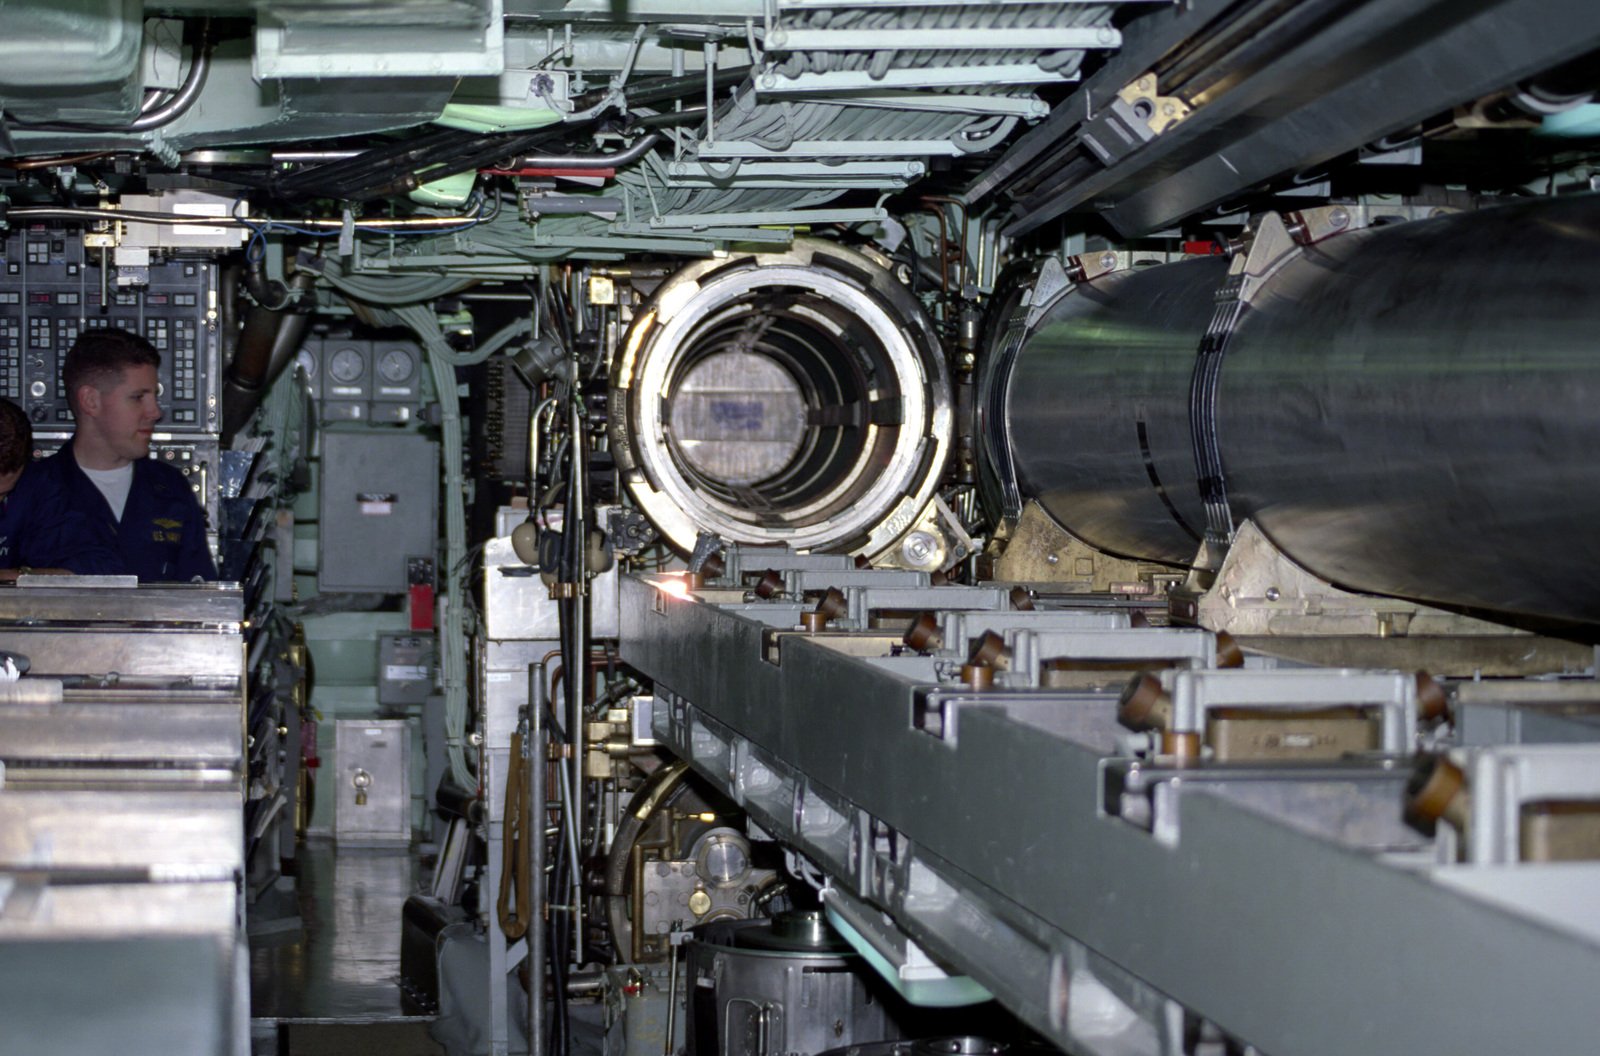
x=961 y=255
x=25 y=164
x=636 y=867
x=596 y=662
x=944 y=249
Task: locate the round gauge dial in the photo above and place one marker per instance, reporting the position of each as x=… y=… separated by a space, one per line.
x=396 y=365
x=307 y=364
x=346 y=365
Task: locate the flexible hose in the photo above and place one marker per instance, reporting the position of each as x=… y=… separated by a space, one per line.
x=626 y=156
x=518 y=828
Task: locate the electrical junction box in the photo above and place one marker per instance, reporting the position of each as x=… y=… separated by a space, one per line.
x=405 y=669
x=373 y=790
x=379 y=509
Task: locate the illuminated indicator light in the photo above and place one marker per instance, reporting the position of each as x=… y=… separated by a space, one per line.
x=678 y=588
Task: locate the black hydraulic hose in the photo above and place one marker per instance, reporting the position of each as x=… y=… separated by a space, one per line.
x=557 y=946
x=458 y=802
x=563 y=317
x=268 y=293
x=246 y=372
x=402 y=167
x=691 y=115
x=665 y=89
x=228 y=309
x=613 y=160
x=381 y=159
x=442 y=152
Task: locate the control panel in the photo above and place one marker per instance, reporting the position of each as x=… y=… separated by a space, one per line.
x=52 y=289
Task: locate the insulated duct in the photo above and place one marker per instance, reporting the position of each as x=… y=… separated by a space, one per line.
x=266 y=344
x=1405 y=410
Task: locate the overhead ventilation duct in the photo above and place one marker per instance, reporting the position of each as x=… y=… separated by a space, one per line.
x=796 y=397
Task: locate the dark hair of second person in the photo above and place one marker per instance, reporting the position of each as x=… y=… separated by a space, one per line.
x=16 y=445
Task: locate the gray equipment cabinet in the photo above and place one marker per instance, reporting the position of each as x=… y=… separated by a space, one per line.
x=379 y=509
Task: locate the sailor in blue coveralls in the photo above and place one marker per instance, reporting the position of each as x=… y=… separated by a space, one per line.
x=141 y=510
x=35 y=530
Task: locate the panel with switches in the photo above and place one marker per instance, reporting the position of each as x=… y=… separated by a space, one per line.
x=52 y=289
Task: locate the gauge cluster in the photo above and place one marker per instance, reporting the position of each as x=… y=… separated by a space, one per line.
x=362 y=380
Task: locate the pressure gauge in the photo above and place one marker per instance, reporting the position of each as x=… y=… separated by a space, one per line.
x=396 y=365
x=307 y=363
x=346 y=365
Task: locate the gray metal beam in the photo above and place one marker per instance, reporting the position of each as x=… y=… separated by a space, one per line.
x=1273 y=927
x=1376 y=70
x=212 y=605
x=1144 y=40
